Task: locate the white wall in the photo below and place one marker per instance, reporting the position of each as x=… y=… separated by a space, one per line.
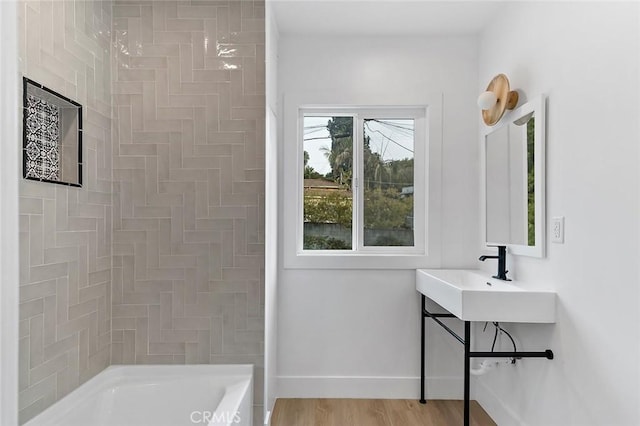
x=356 y=332
x=584 y=57
x=9 y=175
x=271 y=212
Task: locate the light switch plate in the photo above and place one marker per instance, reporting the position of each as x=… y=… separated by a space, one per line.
x=557 y=230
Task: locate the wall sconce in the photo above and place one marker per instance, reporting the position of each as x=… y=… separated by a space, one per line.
x=498 y=98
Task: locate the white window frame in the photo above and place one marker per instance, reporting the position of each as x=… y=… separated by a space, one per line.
x=420 y=160
x=426 y=109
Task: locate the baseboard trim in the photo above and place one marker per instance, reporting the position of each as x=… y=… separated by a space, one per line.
x=497 y=410
x=368 y=387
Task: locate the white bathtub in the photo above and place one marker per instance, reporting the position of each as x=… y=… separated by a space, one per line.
x=157 y=395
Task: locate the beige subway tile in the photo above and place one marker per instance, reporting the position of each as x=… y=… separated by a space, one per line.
x=129 y=311
x=158 y=17
x=136 y=75
x=240 y=274
x=36 y=392
x=235 y=15
x=172 y=37
x=146 y=23
x=60 y=346
x=154 y=359
x=253 y=25
x=82 y=309
x=166 y=348
x=126 y=11
x=127 y=88
x=234 y=50
x=179 y=336
x=193 y=323
x=247 y=113
x=48 y=368
x=196 y=12
x=92 y=292
x=189 y=101
x=221 y=63
x=141 y=337
x=128 y=347
x=236 y=125
x=222 y=22
x=30 y=205
x=142 y=298
x=152 y=62
x=165 y=273
x=211 y=75
x=152 y=212
x=38 y=290
x=47 y=272
x=123 y=323
x=36 y=341
x=163 y=125
x=174 y=113
x=184 y=24
x=117 y=353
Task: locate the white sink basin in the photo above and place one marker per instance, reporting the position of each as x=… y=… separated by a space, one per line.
x=473 y=295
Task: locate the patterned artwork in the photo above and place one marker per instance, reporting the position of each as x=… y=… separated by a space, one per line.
x=43 y=136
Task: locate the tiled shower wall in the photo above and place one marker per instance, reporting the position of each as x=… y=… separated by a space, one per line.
x=188 y=108
x=65 y=232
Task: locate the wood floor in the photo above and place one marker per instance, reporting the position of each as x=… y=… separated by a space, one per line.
x=374 y=412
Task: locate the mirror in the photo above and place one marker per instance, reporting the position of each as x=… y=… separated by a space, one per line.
x=514 y=181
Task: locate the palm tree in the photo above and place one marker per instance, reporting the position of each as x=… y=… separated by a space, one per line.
x=340 y=156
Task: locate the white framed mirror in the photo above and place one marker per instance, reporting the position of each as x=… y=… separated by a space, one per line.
x=513 y=180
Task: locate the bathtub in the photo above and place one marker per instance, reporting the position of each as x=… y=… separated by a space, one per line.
x=157 y=395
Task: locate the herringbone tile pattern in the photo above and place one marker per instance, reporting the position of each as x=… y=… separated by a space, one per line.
x=188 y=108
x=65 y=233
x=179 y=89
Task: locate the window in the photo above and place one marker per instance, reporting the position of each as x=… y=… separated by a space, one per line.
x=362 y=180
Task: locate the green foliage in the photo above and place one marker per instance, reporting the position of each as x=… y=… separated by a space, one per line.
x=310 y=173
x=314 y=242
x=386 y=209
x=383 y=209
x=388 y=241
x=328 y=207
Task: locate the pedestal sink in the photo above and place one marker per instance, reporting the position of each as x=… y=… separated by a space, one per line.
x=473 y=295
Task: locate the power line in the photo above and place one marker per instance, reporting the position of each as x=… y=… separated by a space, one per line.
x=314 y=131
x=388 y=123
x=407 y=133
x=403 y=132
x=388 y=138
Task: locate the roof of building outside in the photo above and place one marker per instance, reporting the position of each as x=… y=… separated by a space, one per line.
x=321 y=183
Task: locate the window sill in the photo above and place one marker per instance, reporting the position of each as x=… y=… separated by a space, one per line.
x=360 y=261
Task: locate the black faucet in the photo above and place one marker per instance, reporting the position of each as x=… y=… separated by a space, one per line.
x=502 y=262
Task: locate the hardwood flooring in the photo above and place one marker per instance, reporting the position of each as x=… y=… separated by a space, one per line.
x=374 y=412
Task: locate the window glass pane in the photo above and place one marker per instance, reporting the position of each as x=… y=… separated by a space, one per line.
x=388 y=182
x=328 y=174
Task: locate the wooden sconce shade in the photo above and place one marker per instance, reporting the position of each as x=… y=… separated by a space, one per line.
x=507 y=99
